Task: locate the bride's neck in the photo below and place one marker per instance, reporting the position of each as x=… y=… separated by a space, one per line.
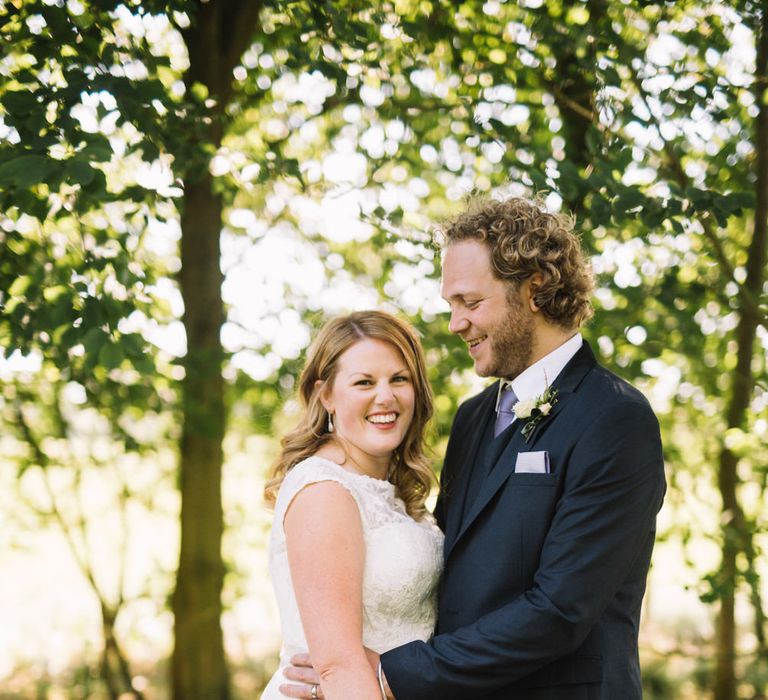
x=354 y=459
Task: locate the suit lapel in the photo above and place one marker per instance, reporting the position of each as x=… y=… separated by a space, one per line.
x=566 y=384
x=499 y=474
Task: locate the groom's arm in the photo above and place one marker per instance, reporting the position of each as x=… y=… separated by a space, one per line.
x=603 y=522
x=465 y=422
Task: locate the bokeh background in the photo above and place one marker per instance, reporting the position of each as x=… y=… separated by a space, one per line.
x=188 y=189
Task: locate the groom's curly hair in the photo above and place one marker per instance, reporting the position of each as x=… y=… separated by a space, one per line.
x=524 y=239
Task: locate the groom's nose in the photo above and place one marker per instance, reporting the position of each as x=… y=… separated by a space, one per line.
x=457 y=322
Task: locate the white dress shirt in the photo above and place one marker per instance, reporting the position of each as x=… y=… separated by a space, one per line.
x=533 y=382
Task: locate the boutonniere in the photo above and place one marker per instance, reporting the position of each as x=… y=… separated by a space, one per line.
x=535 y=410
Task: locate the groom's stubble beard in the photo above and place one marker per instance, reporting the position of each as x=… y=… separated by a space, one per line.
x=512 y=340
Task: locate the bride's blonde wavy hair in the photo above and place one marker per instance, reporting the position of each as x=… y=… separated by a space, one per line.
x=410 y=471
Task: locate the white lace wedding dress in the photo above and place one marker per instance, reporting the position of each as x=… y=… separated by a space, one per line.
x=403 y=560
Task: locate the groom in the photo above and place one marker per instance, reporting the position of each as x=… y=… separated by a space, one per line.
x=552 y=480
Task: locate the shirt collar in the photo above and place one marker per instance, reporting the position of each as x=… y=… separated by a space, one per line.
x=534 y=381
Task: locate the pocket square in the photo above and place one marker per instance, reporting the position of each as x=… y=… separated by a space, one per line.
x=532 y=463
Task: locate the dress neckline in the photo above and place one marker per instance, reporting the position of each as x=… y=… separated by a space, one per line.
x=379 y=483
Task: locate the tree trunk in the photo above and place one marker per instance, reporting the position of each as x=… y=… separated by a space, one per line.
x=114 y=665
x=576 y=91
x=220 y=32
x=736 y=533
x=199 y=666
x=725 y=670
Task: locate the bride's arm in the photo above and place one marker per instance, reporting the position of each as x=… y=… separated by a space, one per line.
x=326 y=554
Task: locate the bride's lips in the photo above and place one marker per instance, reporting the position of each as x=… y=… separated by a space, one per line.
x=383 y=421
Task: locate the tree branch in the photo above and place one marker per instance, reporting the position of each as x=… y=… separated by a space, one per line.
x=745 y=292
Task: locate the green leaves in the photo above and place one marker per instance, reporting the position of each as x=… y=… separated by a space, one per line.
x=110 y=356
x=19 y=103
x=97 y=148
x=630 y=200
x=25 y=171
x=732 y=204
x=79 y=171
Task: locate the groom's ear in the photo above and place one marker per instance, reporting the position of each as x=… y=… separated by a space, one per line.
x=533 y=283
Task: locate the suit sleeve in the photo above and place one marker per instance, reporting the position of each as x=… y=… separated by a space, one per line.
x=613 y=488
x=448 y=473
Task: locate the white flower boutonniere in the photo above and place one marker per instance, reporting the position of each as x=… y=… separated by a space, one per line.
x=534 y=410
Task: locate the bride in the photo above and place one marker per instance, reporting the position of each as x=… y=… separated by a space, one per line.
x=354 y=555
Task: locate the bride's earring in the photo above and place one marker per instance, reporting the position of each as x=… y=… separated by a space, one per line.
x=330 y=422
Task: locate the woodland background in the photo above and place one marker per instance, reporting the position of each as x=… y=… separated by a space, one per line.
x=189 y=188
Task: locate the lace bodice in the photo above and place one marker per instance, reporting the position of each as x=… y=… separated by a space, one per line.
x=403 y=560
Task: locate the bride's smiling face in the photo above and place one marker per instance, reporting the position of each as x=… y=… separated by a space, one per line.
x=372 y=401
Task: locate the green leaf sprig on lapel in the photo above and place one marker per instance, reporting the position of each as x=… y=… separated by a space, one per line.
x=534 y=410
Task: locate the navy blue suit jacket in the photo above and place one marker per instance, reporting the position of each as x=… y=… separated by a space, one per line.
x=544 y=573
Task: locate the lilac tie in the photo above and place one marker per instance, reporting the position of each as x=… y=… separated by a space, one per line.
x=504 y=414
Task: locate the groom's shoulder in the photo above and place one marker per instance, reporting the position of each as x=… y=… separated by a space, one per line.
x=613 y=389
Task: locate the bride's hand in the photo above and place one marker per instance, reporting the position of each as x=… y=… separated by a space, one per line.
x=301 y=671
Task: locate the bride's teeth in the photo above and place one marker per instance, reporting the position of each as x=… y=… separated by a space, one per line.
x=388 y=418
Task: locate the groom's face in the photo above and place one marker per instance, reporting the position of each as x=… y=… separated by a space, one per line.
x=490 y=315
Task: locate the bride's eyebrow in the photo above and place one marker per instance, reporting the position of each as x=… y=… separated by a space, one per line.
x=366 y=375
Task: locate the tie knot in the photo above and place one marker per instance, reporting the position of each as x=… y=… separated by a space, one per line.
x=507 y=399
x=504 y=415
